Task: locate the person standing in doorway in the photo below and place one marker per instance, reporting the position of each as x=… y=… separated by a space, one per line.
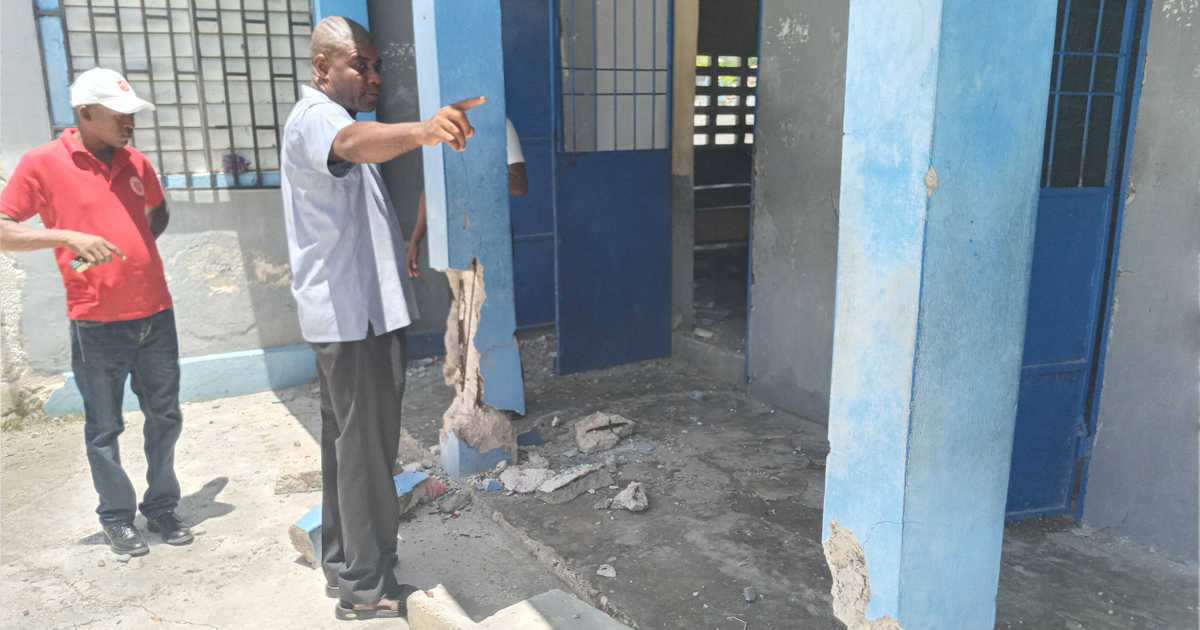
x=102 y=208
x=354 y=300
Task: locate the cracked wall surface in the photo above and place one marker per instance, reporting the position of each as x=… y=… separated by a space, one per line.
x=475 y=422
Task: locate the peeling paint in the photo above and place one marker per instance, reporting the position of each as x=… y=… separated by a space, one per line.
x=478 y=424
x=1180 y=10
x=271 y=274
x=931 y=181
x=794 y=29
x=851 y=586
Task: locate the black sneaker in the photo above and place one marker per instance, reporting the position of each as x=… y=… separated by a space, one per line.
x=125 y=539
x=174 y=531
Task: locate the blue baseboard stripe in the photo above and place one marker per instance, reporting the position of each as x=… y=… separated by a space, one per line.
x=214 y=376
x=237 y=373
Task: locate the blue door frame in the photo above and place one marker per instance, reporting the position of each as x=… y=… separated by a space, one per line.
x=1093 y=99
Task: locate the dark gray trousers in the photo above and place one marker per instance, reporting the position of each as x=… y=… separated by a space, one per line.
x=362 y=384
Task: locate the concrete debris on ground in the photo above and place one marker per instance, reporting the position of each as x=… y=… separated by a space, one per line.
x=606 y=570
x=412 y=467
x=645 y=448
x=292 y=483
x=697 y=396
x=538 y=461
x=601 y=431
x=555 y=422
x=632 y=498
x=525 y=480
x=567 y=485
x=456 y=502
x=501 y=466
x=749 y=593
x=703 y=333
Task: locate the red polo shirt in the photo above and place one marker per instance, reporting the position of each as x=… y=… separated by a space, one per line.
x=71 y=189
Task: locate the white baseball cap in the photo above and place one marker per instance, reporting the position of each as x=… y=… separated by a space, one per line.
x=100 y=86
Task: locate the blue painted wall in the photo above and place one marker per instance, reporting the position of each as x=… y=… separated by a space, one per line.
x=931 y=293
x=459 y=56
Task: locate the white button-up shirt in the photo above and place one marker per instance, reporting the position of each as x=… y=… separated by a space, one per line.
x=344 y=239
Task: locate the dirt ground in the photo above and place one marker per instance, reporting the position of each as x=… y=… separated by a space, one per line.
x=735 y=488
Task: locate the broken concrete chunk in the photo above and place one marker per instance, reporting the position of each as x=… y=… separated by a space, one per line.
x=525 y=481
x=645 y=448
x=454 y=503
x=603 y=504
x=703 y=333
x=851 y=585
x=632 y=498
x=537 y=461
x=749 y=593
x=606 y=570
x=308 y=481
x=412 y=467
x=610 y=463
x=601 y=431
x=566 y=486
x=555 y=422
x=501 y=466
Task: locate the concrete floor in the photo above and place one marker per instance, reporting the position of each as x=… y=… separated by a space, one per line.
x=241 y=572
x=735 y=490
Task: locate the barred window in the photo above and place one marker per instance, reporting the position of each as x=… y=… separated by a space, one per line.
x=223 y=75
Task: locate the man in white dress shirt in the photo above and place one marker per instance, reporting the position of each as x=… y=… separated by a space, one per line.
x=354 y=298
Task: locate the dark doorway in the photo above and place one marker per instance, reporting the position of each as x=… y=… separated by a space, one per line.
x=726 y=81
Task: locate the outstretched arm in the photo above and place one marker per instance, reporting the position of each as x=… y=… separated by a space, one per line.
x=369 y=142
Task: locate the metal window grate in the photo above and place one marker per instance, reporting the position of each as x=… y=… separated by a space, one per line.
x=615 y=61
x=729 y=100
x=223 y=75
x=1087 y=92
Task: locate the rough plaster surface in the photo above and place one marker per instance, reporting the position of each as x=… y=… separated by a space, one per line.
x=796 y=164
x=1142 y=480
x=475 y=422
x=851 y=585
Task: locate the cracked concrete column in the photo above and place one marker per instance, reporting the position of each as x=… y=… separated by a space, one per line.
x=944 y=124
x=459 y=56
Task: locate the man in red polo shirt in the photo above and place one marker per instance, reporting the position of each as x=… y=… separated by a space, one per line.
x=102 y=207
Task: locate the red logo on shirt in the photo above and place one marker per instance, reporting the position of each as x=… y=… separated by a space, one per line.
x=136 y=184
x=123 y=85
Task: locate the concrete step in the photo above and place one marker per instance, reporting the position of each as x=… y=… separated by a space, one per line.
x=553 y=610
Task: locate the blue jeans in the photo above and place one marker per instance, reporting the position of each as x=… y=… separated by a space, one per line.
x=103 y=354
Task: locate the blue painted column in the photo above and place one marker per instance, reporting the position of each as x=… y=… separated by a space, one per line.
x=944 y=125
x=459 y=56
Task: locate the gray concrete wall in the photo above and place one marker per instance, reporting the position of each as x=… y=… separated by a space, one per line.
x=225 y=252
x=802 y=70
x=1143 y=475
